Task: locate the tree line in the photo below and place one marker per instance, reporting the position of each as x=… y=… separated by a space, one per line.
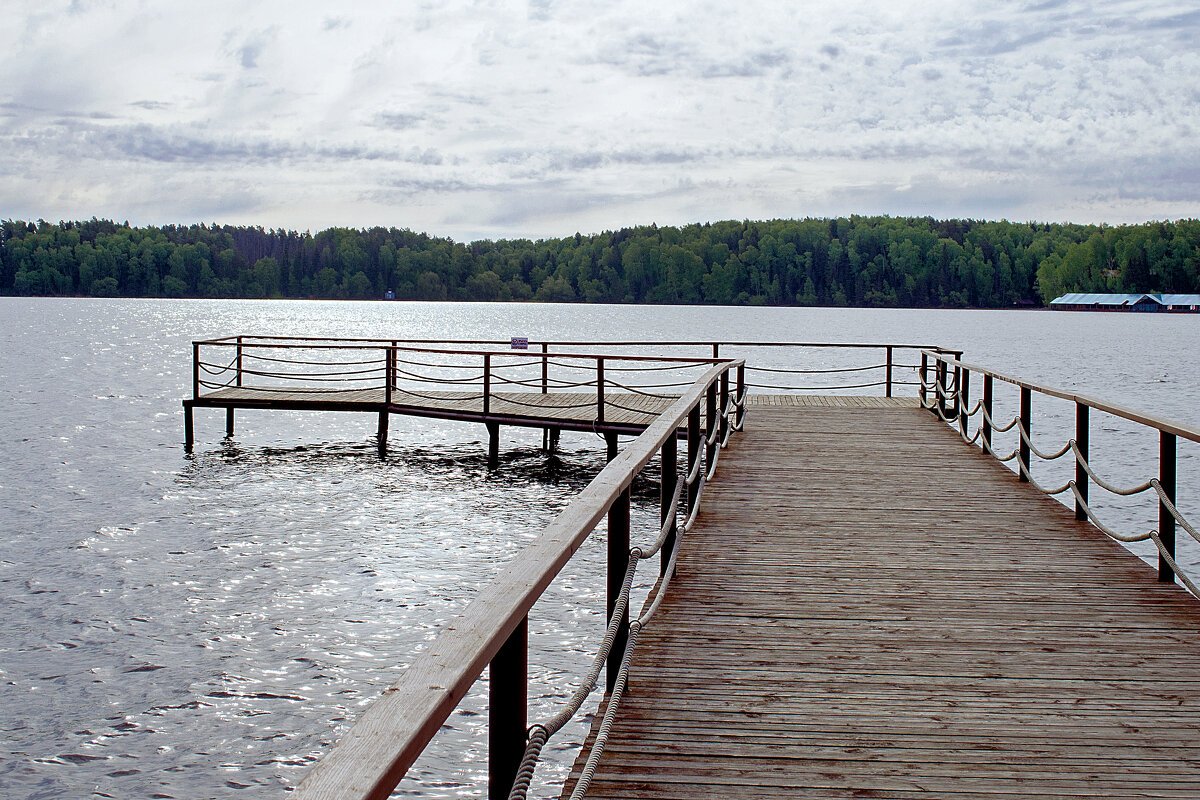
x=848 y=261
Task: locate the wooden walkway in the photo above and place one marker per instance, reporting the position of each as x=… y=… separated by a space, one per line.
x=623 y=411
x=869 y=608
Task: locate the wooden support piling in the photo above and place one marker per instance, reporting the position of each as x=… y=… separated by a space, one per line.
x=493 y=429
x=229 y=422
x=611 y=445
x=382 y=435
x=189 y=433
x=508 y=711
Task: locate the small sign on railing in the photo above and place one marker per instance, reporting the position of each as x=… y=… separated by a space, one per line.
x=520 y=343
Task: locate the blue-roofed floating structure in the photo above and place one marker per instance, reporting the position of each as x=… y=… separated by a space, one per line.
x=1151 y=302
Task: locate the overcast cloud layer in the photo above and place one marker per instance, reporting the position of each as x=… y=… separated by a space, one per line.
x=541 y=118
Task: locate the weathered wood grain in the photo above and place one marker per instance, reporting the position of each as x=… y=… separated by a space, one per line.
x=869 y=608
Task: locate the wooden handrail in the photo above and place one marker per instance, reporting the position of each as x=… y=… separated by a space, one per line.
x=589 y=343
x=376 y=752
x=1180 y=429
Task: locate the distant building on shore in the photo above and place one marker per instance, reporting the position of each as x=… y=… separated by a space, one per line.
x=1083 y=301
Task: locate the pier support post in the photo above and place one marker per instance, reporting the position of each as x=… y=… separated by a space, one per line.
x=1166 y=521
x=670 y=479
x=508 y=711
x=493 y=429
x=382 y=435
x=618 y=562
x=1026 y=433
x=229 y=422
x=610 y=440
x=189 y=432
x=1081 y=443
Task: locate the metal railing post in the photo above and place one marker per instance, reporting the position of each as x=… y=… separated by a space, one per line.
x=618 y=563
x=924 y=376
x=487 y=382
x=724 y=423
x=716 y=349
x=987 y=416
x=545 y=368
x=1081 y=442
x=941 y=389
x=600 y=390
x=1166 y=521
x=710 y=425
x=508 y=711
x=741 y=393
x=693 y=439
x=888 y=375
x=668 y=484
x=963 y=379
x=239 y=361
x=195 y=370
x=389 y=373
x=957 y=396
x=1025 y=426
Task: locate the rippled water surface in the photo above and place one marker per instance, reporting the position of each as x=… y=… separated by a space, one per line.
x=206 y=625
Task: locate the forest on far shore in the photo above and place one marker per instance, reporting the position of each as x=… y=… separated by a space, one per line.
x=848 y=261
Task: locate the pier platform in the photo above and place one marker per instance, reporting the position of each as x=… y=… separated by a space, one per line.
x=867 y=607
x=855 y=596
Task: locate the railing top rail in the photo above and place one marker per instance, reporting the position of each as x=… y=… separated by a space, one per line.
x=393 y=731
x=534 y=354
x=578 y=342
x=1179 y=429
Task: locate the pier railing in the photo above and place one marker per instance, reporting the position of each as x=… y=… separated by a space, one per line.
x=946 y=387
x=335 y=367
x=492 y=632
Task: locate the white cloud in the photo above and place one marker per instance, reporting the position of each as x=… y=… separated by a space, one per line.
x=537 y=118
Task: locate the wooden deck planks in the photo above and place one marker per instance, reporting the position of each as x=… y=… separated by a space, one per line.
x=625 y=409
x=869 y=608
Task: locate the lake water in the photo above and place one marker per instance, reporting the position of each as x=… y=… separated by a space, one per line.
x=206 y=625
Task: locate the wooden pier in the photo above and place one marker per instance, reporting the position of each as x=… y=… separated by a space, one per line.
x=855 y=597
x=866 y=607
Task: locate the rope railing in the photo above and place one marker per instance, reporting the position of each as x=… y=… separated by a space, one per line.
x=321 y=361
x=947 y=397
x=256 y=357
x=496 y=621
x=540 y=733
x=832 y=371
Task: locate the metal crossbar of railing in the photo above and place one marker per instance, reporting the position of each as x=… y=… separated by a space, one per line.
x=945 y=390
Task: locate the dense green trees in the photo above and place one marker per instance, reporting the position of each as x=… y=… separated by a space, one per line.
x=860 y=261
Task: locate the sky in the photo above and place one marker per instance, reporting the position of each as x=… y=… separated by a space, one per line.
x=542 y=118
